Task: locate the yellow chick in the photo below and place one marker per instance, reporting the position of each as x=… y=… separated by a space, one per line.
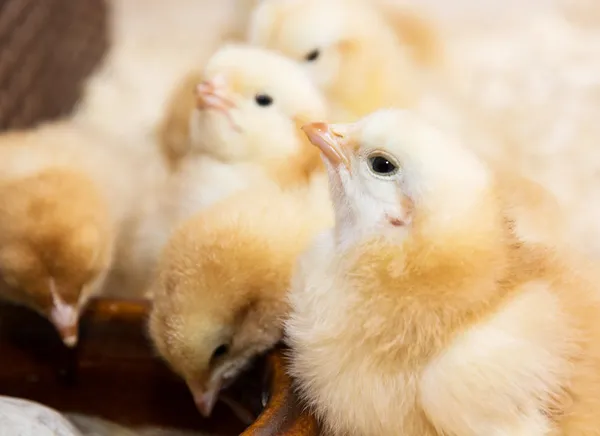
x=244 y=132
x=350 y=48
x=246 y=105
x=62 y=200
x=219 y=299
x=421 y=313
x=55 y=245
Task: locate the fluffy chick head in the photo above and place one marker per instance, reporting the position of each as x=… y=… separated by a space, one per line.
x=319 y=34
x=393 y=169
x=55 y=245
x=350 y=48
x=247 y=103
x=219 y=295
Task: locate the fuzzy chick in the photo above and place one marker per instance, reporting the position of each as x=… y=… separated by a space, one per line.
x=244 y=131
x=54 y=249
x=246 y=90
x=219 y=298
x=222 y=111
x=421 y=313
x=62 y=196
x=350 y=48
x=245 y=126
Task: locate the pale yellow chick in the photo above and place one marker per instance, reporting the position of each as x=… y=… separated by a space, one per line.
x=361 y=56
x=421 y=313
x=244 y=132
x=219 y=299
x=63 y=198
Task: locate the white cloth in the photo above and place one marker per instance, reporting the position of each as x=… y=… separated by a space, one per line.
x=20 y=417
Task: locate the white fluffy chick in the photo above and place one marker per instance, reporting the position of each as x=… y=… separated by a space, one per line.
x=350 y=49
x=244 y=132
x=421 y=314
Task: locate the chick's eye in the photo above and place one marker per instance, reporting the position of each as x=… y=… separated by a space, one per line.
x=312 y=56
x=220 y=351
x=381 y=165
x=263 y=100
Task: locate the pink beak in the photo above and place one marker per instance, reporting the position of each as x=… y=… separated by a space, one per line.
x=205 y=399
x=68 y=333
x=329 y=142
x=65 y=318
x=210 y=97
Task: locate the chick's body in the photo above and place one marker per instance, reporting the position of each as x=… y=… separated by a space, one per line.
x=219 y=298
x=350 y=48
x=63 y=197
x=243 y=132
x=422 y=313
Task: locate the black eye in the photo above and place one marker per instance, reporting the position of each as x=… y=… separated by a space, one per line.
x=312 y=56
x=263 y=100
x=381 y=165
x=220 y=351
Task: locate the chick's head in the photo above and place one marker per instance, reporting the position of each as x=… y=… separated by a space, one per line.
x=247 y=105
x=393 y=170
x=217 y=303
x=55 y=246
x=323 y=35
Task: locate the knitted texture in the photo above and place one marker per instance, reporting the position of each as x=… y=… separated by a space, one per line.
x=47 y=49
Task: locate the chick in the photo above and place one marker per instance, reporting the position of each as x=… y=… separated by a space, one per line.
x=219 y=298
x=54 y=245
x=421 y=313
x=192 y=124
x=245 y=91
x=245 y=125
x=62 y=199
x=244 y=132
x=350 y=48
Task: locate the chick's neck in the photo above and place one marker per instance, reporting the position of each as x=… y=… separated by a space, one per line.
x=426 y=291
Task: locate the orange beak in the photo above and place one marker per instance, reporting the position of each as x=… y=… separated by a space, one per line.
x=330 y=143
x=205 y=399
x=209 y=96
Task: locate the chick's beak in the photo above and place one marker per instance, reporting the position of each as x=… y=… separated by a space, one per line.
x=64 y=316
x=66 y=321
x=330 y=142
x=209 y=95
x=205 y=399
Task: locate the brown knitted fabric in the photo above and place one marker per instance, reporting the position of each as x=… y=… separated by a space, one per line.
x=47 y=49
